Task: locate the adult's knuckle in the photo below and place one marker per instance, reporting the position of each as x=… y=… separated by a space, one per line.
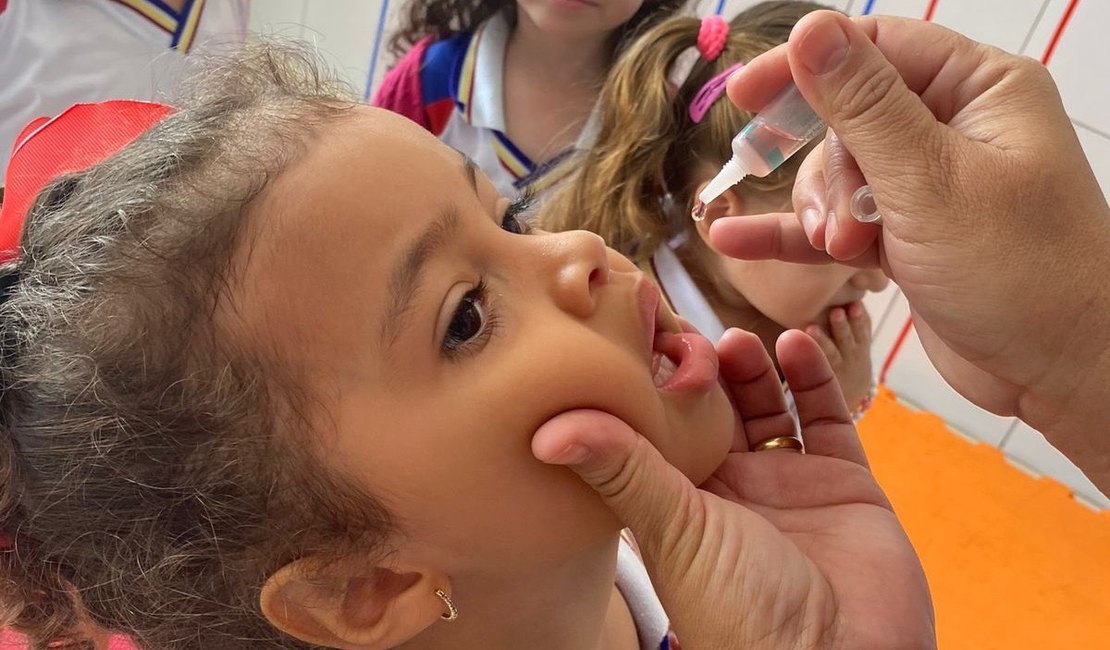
x=613 y=478
x=864 y=94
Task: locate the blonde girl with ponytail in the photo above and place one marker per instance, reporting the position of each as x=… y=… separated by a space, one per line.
x=665 y=132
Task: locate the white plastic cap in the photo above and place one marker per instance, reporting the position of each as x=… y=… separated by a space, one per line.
x=731 y=174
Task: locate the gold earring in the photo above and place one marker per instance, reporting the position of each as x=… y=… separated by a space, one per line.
x=452 y=611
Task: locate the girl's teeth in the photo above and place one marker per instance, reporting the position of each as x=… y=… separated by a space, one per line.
x=664 y=370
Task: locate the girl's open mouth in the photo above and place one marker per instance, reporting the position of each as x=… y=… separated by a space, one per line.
x=683 y=363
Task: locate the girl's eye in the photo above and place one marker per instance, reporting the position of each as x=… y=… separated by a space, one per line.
x=469 y=322
x=514 y=219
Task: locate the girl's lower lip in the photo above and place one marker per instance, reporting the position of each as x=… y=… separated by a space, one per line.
x=695 y=358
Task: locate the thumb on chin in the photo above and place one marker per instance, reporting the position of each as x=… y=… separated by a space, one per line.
x=648 y=494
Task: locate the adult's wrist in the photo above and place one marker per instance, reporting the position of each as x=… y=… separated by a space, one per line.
x=1070 y=404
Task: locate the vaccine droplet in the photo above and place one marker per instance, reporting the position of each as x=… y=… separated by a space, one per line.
x=698 y=213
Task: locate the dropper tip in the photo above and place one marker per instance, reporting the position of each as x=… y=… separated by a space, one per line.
x=731 y=173
x=698 y=213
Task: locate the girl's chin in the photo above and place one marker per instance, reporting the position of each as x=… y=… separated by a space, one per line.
x=706 y=454
x=706 y=469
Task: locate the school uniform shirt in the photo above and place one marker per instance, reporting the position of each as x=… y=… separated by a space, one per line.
x=55 y=53
x=652 y=625
x=455 y=88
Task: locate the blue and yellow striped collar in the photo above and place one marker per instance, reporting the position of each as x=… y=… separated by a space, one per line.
x=180 y=25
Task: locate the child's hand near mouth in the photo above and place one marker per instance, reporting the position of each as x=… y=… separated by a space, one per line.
x=847 y=344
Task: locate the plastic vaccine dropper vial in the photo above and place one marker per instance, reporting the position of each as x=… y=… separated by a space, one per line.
x=783 y=127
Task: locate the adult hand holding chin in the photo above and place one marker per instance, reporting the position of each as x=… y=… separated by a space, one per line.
x=777 y=549
x=993 y=224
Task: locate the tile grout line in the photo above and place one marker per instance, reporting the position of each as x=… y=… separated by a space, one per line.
x=886 y=312
x=1081 y=497
x=1033 y=28
x=1092 y=129
x=1006 y=436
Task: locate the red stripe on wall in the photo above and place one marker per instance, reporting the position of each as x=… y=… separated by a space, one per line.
x=932 y=8
x=894 y=349
x=1047 y=56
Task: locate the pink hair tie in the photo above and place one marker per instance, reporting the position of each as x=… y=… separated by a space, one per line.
x=710 y=93
x=712 y=36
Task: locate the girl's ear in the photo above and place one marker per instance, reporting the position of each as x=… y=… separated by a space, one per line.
x=729 y=204
x=334 y=606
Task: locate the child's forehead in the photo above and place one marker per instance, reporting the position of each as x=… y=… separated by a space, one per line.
x=369 y=161
x=368 y=150
x=324 y=234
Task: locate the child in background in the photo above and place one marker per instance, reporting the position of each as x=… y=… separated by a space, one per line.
x=54 y=54
x=665 y=132
x=512 y=84
x=244 y=407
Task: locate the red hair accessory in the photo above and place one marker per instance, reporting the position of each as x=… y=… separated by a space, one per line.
x=83 y=135
x=712 y=36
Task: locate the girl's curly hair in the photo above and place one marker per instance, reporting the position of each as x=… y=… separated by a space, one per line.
x=154 y=469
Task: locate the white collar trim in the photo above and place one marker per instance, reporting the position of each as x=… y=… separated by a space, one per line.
x=687 y=300
x=487 y=102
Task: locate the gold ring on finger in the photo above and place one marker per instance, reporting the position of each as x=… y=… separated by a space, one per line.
x=789 y=443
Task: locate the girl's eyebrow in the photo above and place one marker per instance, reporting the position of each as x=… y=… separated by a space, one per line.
x=405 y=279
x=471 y=169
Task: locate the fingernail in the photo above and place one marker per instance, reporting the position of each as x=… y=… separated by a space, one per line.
x=830 y=229
x=837 y=314
x=824 y=47
x=855 y=310
x=811 y=221
x=572 y=454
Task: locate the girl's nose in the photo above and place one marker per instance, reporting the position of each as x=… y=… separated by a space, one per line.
x=581 y=267
x=870 y=280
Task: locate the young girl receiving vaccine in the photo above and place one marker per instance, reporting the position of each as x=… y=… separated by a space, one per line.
x=244 y=407
x=471 y=76
x=665 y=132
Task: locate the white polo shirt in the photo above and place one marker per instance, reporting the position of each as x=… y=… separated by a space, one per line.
x=55 y=53
x=477 y=125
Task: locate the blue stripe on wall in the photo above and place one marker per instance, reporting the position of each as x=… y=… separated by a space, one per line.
x=374 y=51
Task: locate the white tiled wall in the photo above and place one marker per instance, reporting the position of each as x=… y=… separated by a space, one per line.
x=352 y=34
x=1078 y=63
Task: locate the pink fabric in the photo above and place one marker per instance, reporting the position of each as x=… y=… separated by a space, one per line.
x=712 y=36
x=400 y=91
x=710 y=93
x=11 y=641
